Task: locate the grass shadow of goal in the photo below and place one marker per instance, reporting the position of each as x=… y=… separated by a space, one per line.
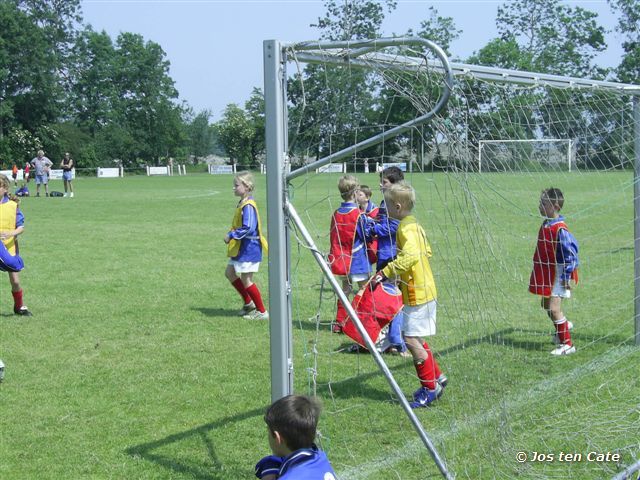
x=213 y=469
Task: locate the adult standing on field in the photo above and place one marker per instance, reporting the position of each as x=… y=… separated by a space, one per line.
x=41 y=165
x=67 y=165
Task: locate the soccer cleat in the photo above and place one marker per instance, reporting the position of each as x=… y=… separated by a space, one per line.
x=556 y=339
x=71 y=195
x=565 y=349
x=247 y=308
x=22 y=311
x=424 y=396
x=256 y=315
x=442 y=380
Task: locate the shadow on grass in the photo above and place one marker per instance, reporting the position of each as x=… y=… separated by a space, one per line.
x=357 y=386
x=216 y=312
x=215 y=470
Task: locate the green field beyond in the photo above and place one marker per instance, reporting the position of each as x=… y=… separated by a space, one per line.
x=136 y=364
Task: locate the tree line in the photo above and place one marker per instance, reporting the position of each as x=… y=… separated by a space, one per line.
x=65 y=87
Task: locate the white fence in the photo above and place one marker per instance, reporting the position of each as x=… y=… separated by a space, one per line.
x=110 y=172
x=333 y=168
x=221 y=169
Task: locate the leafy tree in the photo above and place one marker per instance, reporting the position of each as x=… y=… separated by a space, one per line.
x=629 y=26
x=355 y=19
x=93 y=89
x=27 y=81
x=440 y=30
x=200 y=136
x=236 y=134
x=554 y=37
x=255 y=110
x=145 y=99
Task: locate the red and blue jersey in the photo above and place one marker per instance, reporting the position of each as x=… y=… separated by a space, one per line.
x=385 y=229
x=556 y=254
x=347 y=254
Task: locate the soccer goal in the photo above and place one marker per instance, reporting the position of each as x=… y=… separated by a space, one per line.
x=391 y=101
x=525 y=155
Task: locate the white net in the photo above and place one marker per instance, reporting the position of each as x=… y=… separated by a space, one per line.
x=510 y=408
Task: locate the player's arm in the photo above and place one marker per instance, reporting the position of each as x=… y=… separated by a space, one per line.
x=566 y=256
x=407 y=256
x=249 y=223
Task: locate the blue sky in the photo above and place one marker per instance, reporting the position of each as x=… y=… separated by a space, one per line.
x=215 y=47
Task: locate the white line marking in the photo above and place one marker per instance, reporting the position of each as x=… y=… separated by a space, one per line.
x=208 y=194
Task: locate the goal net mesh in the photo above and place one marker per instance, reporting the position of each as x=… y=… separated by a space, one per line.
x=507 y=394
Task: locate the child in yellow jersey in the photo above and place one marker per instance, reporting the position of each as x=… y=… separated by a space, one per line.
x=11 y=225
x=411 y=266
x=245 y=245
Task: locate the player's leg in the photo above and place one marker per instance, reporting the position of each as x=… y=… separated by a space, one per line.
x=563 y=332
x=254 y=293
x=19 y=308
x=230 y=273
x=341 y=314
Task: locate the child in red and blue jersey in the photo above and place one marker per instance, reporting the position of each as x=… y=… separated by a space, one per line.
x=11 y=225
x=245 y=244
x=292 y=422
x=348 y=252
x=370 y=209
x=555 y=265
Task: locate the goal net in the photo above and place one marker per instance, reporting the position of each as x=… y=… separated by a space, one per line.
x=510 y=408
x=525 y=155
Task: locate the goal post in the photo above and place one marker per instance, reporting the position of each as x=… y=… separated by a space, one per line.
x=280 y=211
x=510 y=155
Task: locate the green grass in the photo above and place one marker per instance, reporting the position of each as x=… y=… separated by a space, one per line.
x=135 y=364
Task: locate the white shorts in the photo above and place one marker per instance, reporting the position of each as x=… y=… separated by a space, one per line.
x=419 y=320
x=558 y=290
x=244 y=267
x=355 y=278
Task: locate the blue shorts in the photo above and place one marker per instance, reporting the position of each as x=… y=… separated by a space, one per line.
x=42 y=179
x=67 y=176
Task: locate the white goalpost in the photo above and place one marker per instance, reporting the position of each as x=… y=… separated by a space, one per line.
x=454 y=130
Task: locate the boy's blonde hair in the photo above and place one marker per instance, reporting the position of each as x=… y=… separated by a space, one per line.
x=246 y=178
x=348 y=184
x=401 y=193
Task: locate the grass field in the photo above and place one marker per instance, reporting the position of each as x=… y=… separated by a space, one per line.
x=136 y=365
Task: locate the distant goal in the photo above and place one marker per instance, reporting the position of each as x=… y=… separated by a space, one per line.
x=534 y=155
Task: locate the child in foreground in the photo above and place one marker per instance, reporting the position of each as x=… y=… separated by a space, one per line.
x=291 y=424
x=555 y=265
x=418 y=288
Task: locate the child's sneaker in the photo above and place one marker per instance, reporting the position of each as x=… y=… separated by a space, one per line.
x=556 y=339
x=256 y=315
x=565 y=349
x=23 y=311
x=247 y=308
x=442 y=380
x=424 y=397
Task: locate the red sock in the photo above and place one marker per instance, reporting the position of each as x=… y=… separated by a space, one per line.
x=237 y=284
x=436 y=367
x=17 y=300
x=341 y=314
x=254 y=293
x=426 y=371
x=562 y=329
